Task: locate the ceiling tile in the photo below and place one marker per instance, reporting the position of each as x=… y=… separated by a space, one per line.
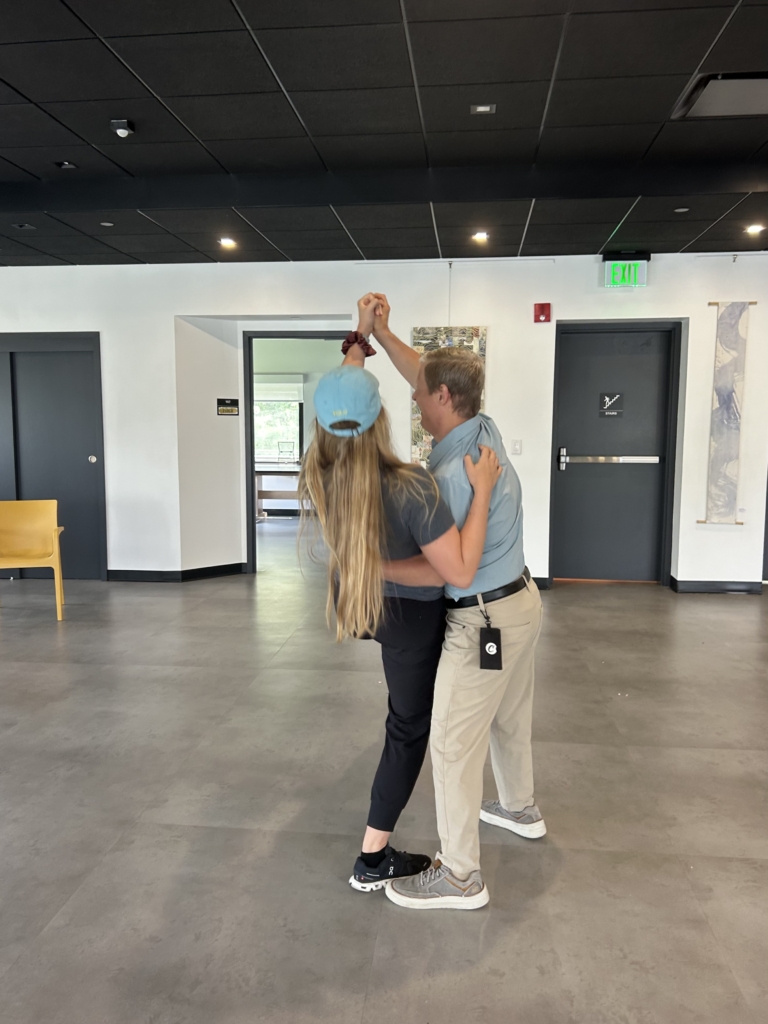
x=147 y=17
x=753 y=208
x=370 y=56
x=744 y=44
x=315 y=255
x=640 y=5
x=56 y=245
x=9 y=173
x=216 y=221
x=265 y=115
x=615 y=248
x=9 y=95
x=551 y=249
x=489 y=147
x=203 y=63
x=291 y=240
x=738 y=137
x=33 y=20
x=614 y=100
x=590 y=235
x=10 y=245
x=41 y=222
x=359 y=111
x=77 y=70
x=243 y=157
x=99 y=259
x=481 y=215
x=40 y=260
x=495 y=50
x=386 y=216
x=658 y=208
x=342 y=152
x=518 y=105
x=580 y=211
x=638 y=43
x=42 y=160
x=395 y=238
x=427 y=252
x=712 y=242
x=125 y=222
x=290 y=218
x=163 y=158
x=645 y=232
x=90 y=119
x=460 y=10
x=175 y=257
x=268 y=255
x=141 y=244
x=607 y=142
x=278 y=14
x=475 y=251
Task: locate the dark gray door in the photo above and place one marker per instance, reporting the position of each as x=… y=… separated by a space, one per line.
x=612 y=402
x=58 y=450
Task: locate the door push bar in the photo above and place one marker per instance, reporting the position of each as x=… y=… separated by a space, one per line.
x=563 y=458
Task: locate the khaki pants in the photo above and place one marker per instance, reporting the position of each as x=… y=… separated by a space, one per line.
x=475 y=706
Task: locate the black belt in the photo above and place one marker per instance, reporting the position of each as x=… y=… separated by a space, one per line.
x=491 y=595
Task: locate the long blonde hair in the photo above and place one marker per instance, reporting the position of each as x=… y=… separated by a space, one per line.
x=341 y=481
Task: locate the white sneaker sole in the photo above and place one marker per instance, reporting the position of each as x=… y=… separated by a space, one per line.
x=439 y=902
x=367 y=886
x=535 y=830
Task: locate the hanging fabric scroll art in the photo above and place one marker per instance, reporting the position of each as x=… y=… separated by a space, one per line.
x=725 y=425
x=425 y=339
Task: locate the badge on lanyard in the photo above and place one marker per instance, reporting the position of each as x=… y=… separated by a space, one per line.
x=490 y=641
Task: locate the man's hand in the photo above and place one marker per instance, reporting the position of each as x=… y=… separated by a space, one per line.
x=365 y=312
x=382 y=310
x=484 y=473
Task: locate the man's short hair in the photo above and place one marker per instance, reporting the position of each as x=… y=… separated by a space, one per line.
x=462 y=372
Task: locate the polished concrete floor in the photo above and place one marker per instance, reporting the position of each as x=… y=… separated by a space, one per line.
x=184 y=773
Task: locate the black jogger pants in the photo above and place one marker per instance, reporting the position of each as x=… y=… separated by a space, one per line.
x=411 y=638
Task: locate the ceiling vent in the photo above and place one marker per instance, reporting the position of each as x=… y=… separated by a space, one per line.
x=725 y=96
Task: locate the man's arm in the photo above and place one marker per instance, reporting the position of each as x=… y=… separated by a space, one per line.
x=406 y=360
x=412 y=572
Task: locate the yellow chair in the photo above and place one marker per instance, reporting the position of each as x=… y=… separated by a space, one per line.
x=29 y=539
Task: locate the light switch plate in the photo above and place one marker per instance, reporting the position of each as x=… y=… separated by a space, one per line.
x=517 y=448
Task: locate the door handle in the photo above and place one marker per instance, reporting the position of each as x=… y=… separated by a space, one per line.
x=563 y=459
x=92 y=458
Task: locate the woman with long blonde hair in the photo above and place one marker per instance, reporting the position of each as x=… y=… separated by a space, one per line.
x=371 y=507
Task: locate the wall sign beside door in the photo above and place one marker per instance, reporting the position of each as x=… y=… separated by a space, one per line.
x=227 y=406
x=611 y=404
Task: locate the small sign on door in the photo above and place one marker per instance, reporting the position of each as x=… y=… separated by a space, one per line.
x=611 y=403
x=227 y=406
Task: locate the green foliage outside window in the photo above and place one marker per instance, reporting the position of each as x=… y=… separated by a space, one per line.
x=273 y=422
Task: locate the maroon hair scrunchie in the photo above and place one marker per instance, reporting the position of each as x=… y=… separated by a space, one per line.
x=356 y=338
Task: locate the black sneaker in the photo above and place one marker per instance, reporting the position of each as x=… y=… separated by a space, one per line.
x=394 y=865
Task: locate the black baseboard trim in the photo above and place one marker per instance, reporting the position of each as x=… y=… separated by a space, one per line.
x=543 y=582
x=714 y=587
x=205 y=572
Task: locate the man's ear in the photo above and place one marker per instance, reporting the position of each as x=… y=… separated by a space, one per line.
x=445 y=395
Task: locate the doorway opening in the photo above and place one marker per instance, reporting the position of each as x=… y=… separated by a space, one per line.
x=613 y=455
x=281 y=372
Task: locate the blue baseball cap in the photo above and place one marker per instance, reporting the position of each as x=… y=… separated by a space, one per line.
x=347 y=393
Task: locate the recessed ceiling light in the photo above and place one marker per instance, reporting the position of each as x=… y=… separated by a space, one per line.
x=106 y=223
x=25 y=227
x=682 y=209
x=228 y=243
x=65 y=165
x=755 y=229
x=122 y=127
x=480 y=236
x=483 y=108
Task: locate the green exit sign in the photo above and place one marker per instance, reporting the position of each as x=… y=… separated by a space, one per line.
x=626 y=273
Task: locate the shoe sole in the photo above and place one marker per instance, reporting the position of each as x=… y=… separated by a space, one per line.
x=367 y=886
x=535 y=830
x=439 y=902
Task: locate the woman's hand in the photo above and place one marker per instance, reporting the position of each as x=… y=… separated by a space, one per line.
x=382 y=310
x=484 y=473
x=365 y=311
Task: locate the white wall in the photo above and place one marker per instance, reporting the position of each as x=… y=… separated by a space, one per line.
x=146 y=367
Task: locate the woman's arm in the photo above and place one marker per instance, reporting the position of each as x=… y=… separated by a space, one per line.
x=412 y=572
x=456 y=556
x=365 y=312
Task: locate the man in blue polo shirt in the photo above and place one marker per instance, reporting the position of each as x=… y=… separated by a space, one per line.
x=474 y=705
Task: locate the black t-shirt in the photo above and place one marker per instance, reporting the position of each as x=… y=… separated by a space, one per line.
x=411 y=522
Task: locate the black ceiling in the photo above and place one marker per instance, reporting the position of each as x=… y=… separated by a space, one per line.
x=361 y=93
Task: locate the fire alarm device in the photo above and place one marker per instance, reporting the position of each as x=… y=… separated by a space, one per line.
x=542 y=312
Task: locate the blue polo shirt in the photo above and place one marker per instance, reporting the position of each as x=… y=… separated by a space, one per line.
x=503 y=560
